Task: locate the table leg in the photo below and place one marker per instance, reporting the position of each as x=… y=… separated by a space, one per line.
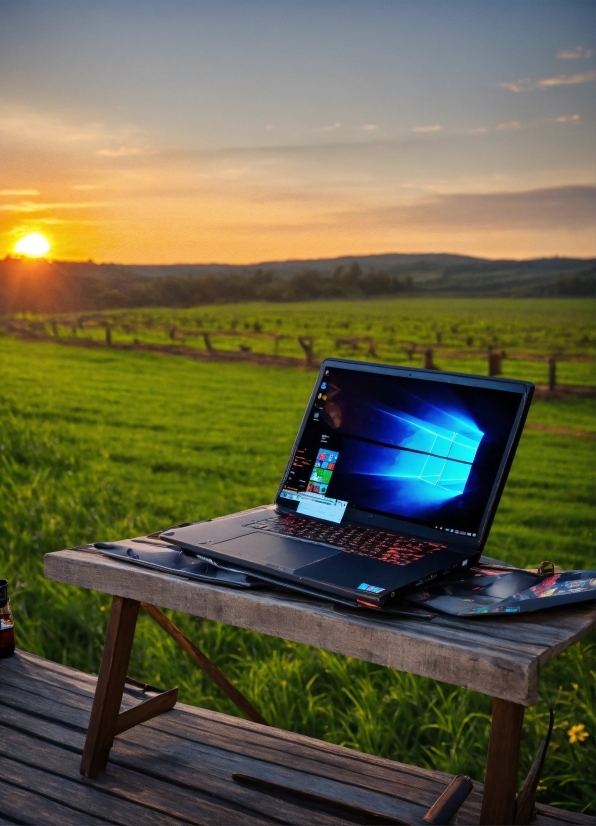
x=110 y=685
x=500 y=784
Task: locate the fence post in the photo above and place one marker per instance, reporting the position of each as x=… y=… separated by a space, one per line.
x=108 y=336
x=428 y=359
x=208 y=344
x=494 y=362
x=307 y=345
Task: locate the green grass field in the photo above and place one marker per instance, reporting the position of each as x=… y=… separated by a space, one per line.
x=102 y=444
x=459 y=330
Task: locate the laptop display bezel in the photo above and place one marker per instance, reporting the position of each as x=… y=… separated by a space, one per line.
x=522 y=388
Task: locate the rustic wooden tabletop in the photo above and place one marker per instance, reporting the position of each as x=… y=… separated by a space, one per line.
x=498 y=656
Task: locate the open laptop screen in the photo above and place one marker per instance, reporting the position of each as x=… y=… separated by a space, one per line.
x=407 y=446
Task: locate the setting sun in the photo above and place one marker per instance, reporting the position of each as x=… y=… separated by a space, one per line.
x=34 y=245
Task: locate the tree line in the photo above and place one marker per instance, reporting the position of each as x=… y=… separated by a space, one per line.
x=39 y=286
x=42 y=287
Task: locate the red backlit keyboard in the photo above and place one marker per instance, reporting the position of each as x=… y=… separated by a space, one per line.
x=382 y=545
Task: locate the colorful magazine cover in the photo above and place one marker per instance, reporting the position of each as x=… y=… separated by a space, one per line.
x=484 y=590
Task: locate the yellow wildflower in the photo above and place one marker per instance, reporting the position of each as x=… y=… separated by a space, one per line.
x=577 y=734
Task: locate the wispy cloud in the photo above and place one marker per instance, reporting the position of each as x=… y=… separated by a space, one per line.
x=526 y=84
x=370 y=127
x=568 y=207
x=566 y=80
x=436 y=127
x=512 y=125
x=24 y=124
x=19 y=192
x=29 y=206
x=124 y=152
x=522 y=85
x=575 y=54
x=331 y=128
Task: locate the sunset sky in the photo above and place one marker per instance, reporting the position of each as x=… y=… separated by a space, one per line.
x=188 y=131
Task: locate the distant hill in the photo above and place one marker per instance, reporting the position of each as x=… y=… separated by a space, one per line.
x=60 y=286
x=326 y=266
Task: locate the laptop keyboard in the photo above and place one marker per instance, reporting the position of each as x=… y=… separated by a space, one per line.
x=370 y=542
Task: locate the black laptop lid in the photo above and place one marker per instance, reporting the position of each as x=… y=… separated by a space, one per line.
x=422 y=451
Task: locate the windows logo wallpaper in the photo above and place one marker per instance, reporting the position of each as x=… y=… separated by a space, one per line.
x=426 y=451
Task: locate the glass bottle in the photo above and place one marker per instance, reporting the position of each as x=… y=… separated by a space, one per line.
x=6 y=622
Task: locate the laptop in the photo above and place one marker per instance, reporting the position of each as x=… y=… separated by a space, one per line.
x=393 y=480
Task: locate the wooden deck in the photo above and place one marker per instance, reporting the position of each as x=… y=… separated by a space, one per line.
x=177 y=768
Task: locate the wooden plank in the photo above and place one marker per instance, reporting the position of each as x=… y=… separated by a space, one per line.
x=33 y=672
x=110 y=684
x=26 y=805
x=460 y=652
x=500 y=785
x=52 y=780
x=549 y=815
x=134 y=798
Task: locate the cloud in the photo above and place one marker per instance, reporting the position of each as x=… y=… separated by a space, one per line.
x=575 y=54
x=29 y=206
x=566 y=80
x=19 y=192
x=512 y=124
x=568 y=119
x=521 y=85
x=333 y=128
x=124 y=152
x=370 y=127
x=567 y=207
x=434 y=128
x=527 y=85
x=478 y=130
x=24 y=124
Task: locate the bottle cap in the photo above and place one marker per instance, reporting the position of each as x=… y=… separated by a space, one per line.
x=3 y=592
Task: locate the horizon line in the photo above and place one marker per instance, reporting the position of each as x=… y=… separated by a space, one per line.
x=50 y=260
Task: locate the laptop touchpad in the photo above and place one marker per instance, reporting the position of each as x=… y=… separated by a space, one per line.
x=274 y=551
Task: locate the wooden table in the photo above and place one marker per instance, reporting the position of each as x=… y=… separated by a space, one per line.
x=499 y=656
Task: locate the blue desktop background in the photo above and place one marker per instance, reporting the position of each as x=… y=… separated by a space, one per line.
x=420 y=450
